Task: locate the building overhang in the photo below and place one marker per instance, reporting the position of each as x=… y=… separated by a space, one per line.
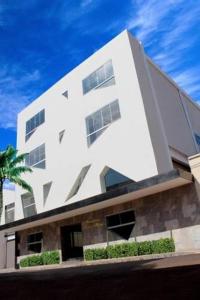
x=127 y=192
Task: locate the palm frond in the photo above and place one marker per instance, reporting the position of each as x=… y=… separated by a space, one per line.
x=18 y=159
x=22 y=183
x=17 y=171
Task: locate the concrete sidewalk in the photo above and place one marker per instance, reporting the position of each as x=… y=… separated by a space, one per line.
x=156 y=261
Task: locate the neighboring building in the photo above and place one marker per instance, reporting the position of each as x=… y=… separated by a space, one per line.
x=109 y=145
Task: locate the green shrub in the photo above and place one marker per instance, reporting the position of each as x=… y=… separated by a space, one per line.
x=24 y=262
x=46 y=258
x=50 y=257
x=35 y=260
x=163 y=246
x=144 y=248
x=95 y=254
x=131 y=249
x=88 y=254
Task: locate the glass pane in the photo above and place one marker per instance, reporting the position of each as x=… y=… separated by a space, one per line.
x=97 y=120
x=40 y=165
x=106 y=115
x=100 y=74
x=9 y=216
x=86 y=85
x=42 y=116
x=37 y=120
x=36 y=248
x=28 y=127
x=127 y=217
x=27 y=200
x=113 y=177
x=29 y=211
x=114 y=106
x=89 y=125
x=113 y=220
x=109 y=69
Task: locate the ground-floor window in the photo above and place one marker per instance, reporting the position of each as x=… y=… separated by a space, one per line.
x=34 y=242
x=120 y=225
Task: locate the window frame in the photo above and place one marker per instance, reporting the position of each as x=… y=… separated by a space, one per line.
x=96 y=73
x=29 y=205
x=27 y=161
x=123 y=224
x=29 y=133
x=8 y=210
x=111 y=116
x=34 y=243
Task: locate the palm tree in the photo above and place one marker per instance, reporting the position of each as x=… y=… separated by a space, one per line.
x=11 y=169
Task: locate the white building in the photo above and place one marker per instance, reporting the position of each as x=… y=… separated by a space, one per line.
x=114 y=130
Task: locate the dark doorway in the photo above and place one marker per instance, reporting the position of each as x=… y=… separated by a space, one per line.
x=71 y=242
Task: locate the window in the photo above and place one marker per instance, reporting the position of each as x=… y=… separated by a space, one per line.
x=99 y=77
x=97 y=122
x=61 y=135
x=121 y=224
x=9 y=213
x=197 y=138
x=114 y=179
x=65 y=94
x=36 y=158
x=34 y=242
x=78 y=182
x=34 y=122
x=28 y=204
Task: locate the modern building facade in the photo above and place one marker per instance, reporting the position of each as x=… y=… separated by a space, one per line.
x=109 y=145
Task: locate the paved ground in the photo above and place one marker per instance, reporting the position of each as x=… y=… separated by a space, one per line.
x=168 y=278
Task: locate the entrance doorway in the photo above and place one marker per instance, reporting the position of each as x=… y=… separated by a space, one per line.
x=71 y=242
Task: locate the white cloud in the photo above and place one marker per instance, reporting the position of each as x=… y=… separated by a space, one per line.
x=149 y=16
x=14 y=84
x=189 y=80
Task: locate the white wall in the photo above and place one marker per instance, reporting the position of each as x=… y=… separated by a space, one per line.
x=135 y=145
x=125 y=146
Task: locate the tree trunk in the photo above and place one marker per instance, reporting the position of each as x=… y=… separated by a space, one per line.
x=1 y=199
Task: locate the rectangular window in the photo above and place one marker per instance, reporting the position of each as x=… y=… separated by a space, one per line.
x=10 y=213
x=97 y=122
x=98 y=77
x=36 y=158
x=34 y=122
x=34 y=242
x=28 y=204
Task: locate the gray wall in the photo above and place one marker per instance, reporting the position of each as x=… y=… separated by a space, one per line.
x=176 y=126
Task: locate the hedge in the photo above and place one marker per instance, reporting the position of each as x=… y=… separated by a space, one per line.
x=46 y=258
x=131 y=249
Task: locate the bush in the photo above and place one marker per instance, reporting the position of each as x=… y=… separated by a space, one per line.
x=144 y=248
x=163 y=245
x=35 y=260
x=50 y=257
x=131 y=249
x=95 y=254
x=24 y=262
x=46 y=258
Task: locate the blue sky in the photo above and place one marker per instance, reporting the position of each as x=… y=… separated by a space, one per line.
x=42 y=40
